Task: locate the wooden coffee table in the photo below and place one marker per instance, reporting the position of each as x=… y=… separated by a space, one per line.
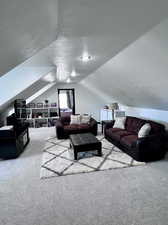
x=84 y=143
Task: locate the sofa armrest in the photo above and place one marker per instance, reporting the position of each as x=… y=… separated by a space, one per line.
x=151 y=146
x=93 y=125
x=152 y=138
x=109 y=124
x=93 y=122
x=59 y=129
x=59 y=124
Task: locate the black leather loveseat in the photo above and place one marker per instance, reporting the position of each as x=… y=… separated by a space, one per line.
x=149 y=148
x=13 y=140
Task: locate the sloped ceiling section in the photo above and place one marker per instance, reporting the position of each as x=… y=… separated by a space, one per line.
x=14 y=83
x=17 y=82
x=101 y=28
x=138 y=75
x=26 y=26
x=26 y=93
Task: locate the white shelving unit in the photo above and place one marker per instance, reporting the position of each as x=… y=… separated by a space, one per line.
x=32 y=115
x=105 y=114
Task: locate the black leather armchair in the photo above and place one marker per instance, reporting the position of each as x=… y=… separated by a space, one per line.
x=14 y=140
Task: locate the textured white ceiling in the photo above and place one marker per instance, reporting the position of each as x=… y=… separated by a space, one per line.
x=101 y=28
x=26 y=26
x=138 y=75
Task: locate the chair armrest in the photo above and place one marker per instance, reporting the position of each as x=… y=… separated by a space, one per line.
x=7 y=134
x=7 y=139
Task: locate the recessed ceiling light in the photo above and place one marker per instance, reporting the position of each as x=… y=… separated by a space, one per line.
x=73 y=74
x=85 y=57
x=68 y=80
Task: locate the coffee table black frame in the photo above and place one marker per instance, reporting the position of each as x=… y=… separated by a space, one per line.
x=84 y=143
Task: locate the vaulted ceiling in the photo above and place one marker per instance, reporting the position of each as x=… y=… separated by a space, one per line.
x=138 y=75
x=41 y=37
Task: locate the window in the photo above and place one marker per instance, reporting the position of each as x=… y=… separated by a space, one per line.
x=63 y=100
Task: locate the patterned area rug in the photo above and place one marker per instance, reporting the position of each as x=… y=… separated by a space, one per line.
x=58 y=159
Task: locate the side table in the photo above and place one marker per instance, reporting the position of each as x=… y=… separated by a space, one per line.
x=103 y=122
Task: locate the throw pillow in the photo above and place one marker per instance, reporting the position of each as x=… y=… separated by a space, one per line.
x=144 y=131
x=85 y=119
x=75 y=119
x=120 y=123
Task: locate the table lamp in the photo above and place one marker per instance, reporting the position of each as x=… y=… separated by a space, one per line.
x=112 y=107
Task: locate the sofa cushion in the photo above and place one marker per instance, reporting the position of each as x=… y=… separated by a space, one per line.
x=156 y=127
x=85 y=119
x=71 y=127
x=115 y=129
x=134 y=124
x=110 y=131
x=120 y=123
x=129 y=140
x=75 y=128
x=119 y=134
x=84 y=126
x=75 y=119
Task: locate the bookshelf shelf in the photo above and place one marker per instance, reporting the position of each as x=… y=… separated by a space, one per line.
x=36 y=116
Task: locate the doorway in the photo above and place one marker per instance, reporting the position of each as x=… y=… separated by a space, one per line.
x=66 y=102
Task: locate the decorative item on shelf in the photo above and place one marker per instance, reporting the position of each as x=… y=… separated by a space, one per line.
x=112 y=107
x=53 y=114
x=46 y=103
x=31 y=105
x=39 y=115
x=39 y=105
x=53 y=104
x=28 y=115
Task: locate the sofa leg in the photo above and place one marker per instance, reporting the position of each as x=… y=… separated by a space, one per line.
x=75 y=155
x=99 y=152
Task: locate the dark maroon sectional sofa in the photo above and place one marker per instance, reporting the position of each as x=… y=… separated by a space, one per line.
x=149 y=148
x=64 y=128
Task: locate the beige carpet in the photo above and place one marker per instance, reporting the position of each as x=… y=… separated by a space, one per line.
x=131 y=196
x=58 y=159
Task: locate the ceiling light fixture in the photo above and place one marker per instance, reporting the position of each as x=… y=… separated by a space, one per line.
x=68 y=80
x=73 y=74
x=85 y=57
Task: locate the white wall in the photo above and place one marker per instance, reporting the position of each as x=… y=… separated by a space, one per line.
x=87 y=98
x=91 y=100
x=152 y=114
